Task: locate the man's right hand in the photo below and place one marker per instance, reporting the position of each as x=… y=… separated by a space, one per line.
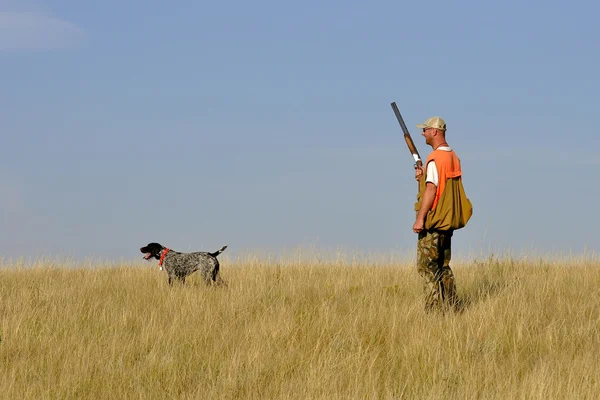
x=419 y=172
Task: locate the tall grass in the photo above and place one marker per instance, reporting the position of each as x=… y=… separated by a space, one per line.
x=318 y=329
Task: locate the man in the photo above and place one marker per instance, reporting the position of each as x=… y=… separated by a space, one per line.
x=442 y=207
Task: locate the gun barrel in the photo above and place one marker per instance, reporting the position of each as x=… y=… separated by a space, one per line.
x=400 y=119
x=409 y=142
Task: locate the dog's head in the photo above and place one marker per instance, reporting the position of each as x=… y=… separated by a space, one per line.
x=152 y=250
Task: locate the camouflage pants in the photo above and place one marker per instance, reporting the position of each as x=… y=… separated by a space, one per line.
x=433 y=264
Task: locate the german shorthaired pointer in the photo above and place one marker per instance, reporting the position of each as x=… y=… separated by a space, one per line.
x=180 y=265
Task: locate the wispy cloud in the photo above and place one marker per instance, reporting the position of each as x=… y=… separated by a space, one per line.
x=36 y=31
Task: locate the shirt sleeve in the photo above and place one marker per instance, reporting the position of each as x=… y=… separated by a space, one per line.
x=432 y=173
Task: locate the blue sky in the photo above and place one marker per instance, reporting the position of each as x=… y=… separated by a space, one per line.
x=267 y=125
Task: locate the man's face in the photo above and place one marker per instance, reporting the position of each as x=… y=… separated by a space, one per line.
x=428 y=135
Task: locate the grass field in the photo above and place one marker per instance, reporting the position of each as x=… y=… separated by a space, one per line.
x=300 y=330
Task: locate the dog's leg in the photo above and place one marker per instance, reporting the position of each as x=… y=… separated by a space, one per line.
x=219 y=281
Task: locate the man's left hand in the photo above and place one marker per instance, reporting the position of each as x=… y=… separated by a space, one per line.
x=418 y=226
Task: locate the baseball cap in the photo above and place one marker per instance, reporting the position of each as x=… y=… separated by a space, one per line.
x=433 y=122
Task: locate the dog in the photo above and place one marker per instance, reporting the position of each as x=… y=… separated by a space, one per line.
x=180 y=265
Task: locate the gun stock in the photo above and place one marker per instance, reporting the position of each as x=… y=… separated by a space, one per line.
x=409 y=142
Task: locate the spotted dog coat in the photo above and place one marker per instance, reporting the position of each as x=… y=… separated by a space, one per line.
x=180 y=265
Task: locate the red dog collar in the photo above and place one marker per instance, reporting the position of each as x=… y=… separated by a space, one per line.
x=162 y=256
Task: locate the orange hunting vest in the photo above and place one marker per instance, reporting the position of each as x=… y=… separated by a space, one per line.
x=451 y=209
x=448 y=166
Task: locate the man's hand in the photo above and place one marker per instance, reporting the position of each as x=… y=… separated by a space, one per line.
x=419 y=171
x=418 y=226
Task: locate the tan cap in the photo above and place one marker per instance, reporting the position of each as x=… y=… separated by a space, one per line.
x=434 y=122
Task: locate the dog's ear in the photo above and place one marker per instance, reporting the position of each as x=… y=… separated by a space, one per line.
x=153 y=248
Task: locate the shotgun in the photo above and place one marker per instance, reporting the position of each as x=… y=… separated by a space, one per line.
x=409 y=142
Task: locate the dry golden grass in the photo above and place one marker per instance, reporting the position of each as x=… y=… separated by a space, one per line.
x=303 y=329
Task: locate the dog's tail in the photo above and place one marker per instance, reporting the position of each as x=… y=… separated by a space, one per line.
x=216 y=253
